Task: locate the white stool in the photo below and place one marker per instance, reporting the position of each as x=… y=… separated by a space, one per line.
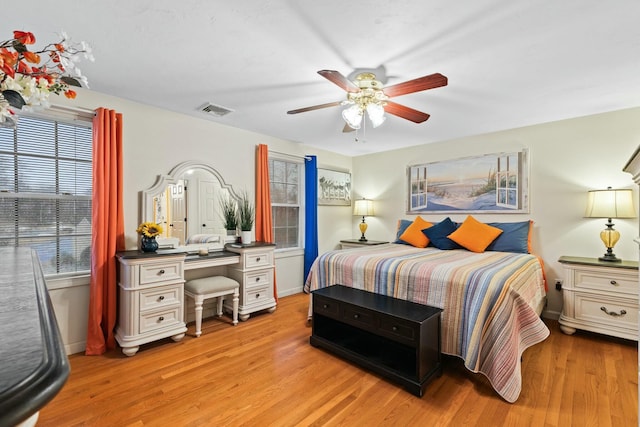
x=212 y=287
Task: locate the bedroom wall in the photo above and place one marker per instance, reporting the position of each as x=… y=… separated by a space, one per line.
x=156 y=140
x=567 y=158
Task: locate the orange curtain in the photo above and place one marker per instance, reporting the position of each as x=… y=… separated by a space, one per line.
x=264 y=228
x=107 y=229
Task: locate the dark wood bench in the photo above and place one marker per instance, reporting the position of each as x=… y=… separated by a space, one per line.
x=398 y=339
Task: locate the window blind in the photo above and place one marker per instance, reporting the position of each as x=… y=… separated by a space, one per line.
x=45 y=191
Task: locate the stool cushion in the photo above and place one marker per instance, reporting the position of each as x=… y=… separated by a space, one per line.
x=207 y=285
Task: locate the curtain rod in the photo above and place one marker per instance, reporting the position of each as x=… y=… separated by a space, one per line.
x=291 y=155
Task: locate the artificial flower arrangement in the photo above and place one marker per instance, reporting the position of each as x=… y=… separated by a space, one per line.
x=28 y=77
x=149 y=229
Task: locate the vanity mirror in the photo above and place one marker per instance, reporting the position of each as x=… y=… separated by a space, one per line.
x=186 y=202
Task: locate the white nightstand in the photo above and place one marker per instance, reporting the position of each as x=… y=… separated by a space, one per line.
x=357 y=243
x=600 y=297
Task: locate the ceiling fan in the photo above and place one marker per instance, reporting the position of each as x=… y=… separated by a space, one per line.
x=367 y=94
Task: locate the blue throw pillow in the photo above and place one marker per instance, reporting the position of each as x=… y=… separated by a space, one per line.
x=403 y=224
x=438 y=233
x=514 y=237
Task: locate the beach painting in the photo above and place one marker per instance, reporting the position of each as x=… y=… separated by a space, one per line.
x=334 y=187
x=491 y=183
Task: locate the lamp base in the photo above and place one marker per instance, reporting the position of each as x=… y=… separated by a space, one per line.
x=363 y=228
x=609 y=258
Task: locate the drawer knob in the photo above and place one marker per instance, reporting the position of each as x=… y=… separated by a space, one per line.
x=160 y=319
x=257 y=279
x=258 y=259
x=394 y=329
x=613 y=313
x=356 y=316
x=614 y=283
x=161 y=297
x=257 y=295
x=325 y=305
x=161 y=272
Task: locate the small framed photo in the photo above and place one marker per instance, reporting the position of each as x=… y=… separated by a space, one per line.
x=334 y=187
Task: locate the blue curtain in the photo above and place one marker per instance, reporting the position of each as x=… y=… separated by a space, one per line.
x=310 y=212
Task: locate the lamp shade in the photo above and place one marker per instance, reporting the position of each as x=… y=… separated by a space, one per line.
x=610 y=203
x=363 y=207
x=353 y=116
x=376 y=114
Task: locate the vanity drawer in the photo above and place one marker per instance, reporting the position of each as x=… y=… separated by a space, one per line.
x=616 y=281
x=161 y=272
x=606 y=311
x=258 y=295
x=151 y=299
x=258 y=259
x=160 y=319
x=258 y=278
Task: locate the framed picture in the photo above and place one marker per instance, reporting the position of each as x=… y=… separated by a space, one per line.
x=492 y=183
x=334 y=187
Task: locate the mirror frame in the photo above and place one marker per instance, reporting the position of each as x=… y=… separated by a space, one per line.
x=173 y=177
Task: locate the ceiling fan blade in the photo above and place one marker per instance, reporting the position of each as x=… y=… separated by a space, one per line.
x=315 y=107
x=416 y=85
x=347 y=128
x=336 y=78
x=405 y=112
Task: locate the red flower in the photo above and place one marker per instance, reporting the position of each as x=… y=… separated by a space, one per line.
x=24 y=37
x=59 y=47
x=9 y=71
x=32 y=57
x=71 y=94
x=24 y=68
x=10 y=58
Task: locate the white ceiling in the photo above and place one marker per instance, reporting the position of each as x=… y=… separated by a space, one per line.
x=509 y=63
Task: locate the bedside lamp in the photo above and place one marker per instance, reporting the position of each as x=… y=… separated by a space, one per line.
x=363 y=208
x=610 y=204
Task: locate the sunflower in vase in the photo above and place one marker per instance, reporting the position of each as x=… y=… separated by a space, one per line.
x=148 y=232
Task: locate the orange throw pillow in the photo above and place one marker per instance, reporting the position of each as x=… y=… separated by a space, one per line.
x=474 y=235
x=414 y=236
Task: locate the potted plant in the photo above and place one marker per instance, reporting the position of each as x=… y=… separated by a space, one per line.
x=246 y=216
x=229 y=211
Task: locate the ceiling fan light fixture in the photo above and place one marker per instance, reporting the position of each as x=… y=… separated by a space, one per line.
x=353 y=116
x=376 y=114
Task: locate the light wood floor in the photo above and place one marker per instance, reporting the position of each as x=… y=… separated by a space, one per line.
x=263 y=372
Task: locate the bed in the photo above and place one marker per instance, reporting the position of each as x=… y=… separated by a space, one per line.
x=491 y=300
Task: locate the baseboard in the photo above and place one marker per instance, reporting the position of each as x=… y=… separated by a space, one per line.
x=76 y=347
x=287 y=292
x=553 y=315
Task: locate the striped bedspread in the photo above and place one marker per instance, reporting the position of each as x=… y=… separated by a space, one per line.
x=488 y=299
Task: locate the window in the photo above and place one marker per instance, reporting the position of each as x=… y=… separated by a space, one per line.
x=418 y=187
x=507 y=181
x=285 y=179
x=45 y=191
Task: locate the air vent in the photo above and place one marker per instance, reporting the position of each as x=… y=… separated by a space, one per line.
x=216 y=110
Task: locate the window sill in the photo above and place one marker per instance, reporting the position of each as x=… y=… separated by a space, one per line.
x=288 y=253
x=56 y=282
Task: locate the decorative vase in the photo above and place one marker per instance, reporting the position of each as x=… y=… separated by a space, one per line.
x=148 y=244
x=246 y=237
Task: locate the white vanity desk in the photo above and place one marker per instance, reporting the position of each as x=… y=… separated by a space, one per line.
x=151 y=288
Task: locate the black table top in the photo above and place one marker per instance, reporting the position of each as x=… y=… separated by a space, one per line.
x=34 y=366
